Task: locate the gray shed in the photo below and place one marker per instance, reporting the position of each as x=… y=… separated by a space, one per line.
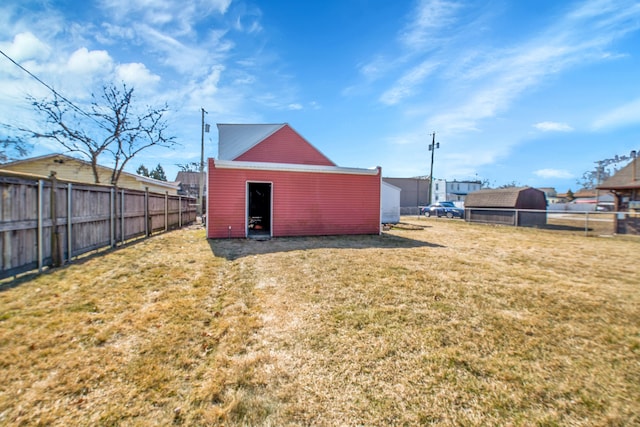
x=521 y=206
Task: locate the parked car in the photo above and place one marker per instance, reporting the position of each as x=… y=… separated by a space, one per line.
x=439 y=209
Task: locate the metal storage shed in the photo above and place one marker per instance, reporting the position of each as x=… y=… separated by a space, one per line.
x=521 y=206
x=390 y=204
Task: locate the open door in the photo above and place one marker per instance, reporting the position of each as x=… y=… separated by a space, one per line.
x=259 y=209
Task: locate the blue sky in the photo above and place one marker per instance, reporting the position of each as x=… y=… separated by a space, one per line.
x=531 y=92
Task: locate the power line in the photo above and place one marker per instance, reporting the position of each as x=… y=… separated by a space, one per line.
x=78 y=109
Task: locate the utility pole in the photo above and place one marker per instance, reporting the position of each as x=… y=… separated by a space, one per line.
x=201 y=174
x=432 y=148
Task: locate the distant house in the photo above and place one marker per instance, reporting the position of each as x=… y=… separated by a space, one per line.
x=189 y=183
x=453 y=191
x=584 y=200
x=269 y=181
x=72 y=169
x=507 y=206
x=625 y=186
x=551 y=194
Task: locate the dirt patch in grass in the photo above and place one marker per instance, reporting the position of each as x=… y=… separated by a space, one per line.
x=441 y=322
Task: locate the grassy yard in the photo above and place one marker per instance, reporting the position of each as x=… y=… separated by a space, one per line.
x=442 y=323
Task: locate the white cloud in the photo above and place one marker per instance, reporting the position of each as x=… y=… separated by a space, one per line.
x=553 y=127
x=26 y=46
x=137 y=75
x=83 y=61
x=295 y=107
x=553 y=173
x=625 y=115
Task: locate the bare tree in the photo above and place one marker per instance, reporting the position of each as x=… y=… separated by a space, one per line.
x=112 y=128
x=189 y=167
x=603 y=170
x=11 y=147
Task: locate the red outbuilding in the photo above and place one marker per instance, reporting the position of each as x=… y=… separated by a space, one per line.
x=269 y=181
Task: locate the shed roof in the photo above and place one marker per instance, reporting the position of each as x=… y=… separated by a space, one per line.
x=625 y=178
x=496 y=198
x=235 y=139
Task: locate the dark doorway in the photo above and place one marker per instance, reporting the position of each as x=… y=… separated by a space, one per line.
x=259 y=209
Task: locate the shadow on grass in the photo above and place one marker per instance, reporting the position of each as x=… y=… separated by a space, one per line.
x=237 y=248
x=559 y=227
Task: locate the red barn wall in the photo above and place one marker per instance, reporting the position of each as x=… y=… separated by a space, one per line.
x=304 y=203
x=285 y=146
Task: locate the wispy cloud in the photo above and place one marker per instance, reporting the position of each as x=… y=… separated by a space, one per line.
x=476 y=82
x=624 y=115
x=176 y=17
x=498 y=77
x=553 y=173
x=553 y=127
x=422 y=33
x=405 y=87
x=429 y=18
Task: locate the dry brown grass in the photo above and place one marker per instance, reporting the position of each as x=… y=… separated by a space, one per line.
x=441 y=323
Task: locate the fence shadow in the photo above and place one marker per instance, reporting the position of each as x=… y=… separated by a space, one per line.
x=232 y=249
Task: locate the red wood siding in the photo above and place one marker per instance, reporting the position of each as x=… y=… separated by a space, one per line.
x=285 y=146
x=304 y=203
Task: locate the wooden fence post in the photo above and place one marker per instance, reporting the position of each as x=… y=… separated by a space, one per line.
x=122 y=211
x=56 y=250
x=166 y=210
x=69 y=223
x=112 y=220
x=147 y=214
x=39 y=232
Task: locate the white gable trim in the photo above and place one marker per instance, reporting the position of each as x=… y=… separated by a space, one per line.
x=288 y=167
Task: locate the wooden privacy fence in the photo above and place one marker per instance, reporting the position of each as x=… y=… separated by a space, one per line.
x=46 y=222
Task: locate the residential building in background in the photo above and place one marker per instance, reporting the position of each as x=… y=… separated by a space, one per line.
x=69 y=168
x=453 y=191
x=190 y=183
x=551 y=194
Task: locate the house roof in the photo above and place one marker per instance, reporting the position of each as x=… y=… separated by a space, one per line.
x=235 y=139
x=626 y=178
x=188 y=178
x=497 y=198
x=64 y=158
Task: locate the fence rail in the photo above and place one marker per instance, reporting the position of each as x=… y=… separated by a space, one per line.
x=591 y=223
x=47 y=222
